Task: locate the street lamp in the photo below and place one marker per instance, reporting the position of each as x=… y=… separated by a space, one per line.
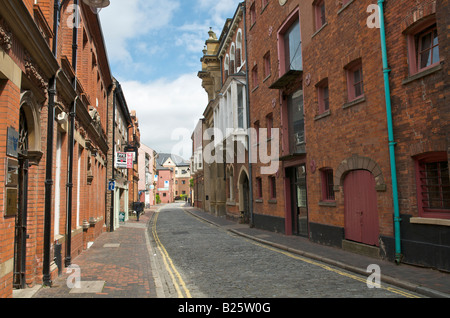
x=97 y=4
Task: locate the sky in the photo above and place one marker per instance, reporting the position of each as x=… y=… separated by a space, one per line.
x=154 y=50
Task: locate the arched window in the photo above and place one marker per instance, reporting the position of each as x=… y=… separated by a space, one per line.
x=227 y=67
x=239 y=58
x=233 y=59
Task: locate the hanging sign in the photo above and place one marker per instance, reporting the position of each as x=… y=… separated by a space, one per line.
x=130 y=161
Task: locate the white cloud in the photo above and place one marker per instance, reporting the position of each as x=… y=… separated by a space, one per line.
x=127 y=20
x=165 y=107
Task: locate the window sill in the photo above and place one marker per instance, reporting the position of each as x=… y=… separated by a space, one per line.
x=258 y=200
x=421 y=74
x=430 y=221
x=344 y=7
x=320 y=29
x=256 y=87
x=267 y=77
x=231 y=203
x=323 y=115
x=327 y=203
x=272 y=201
x=354 y=102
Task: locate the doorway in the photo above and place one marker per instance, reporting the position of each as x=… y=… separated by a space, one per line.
x=361 y=212
x=299 y=203
x=20 y=237
x=244 y=197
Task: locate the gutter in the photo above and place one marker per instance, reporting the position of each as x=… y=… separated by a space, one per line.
x=392 y=143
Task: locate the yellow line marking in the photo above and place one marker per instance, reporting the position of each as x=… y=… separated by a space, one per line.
x=169 y=264
x=328 y=268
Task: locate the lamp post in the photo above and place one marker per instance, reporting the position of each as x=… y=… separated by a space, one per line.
x=94 y=4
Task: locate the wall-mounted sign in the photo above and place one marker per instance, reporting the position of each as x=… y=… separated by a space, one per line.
x=12 y=173
x=12 y=203
x=12 y=146
x=124 y=160
x=121 y=160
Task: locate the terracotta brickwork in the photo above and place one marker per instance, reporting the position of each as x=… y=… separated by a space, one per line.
x=26 y=70
x=342 y=142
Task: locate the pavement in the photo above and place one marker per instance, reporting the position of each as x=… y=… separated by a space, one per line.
x=120 y=264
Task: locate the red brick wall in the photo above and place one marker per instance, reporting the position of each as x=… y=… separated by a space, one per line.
x=9 y=117
x=360 y=129
x=420 y=107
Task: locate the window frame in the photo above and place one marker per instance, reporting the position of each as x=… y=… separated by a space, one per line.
x=320 y=18
x=323 y=96
x=293 y=18
x=327 y=185
x=259 y=191
x=423 y=211
x=272 y=187
x=350 y=70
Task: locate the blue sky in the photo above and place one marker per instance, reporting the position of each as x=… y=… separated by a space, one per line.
x=154 y=50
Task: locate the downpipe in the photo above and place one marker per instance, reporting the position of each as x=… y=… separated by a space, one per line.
x=392 y=143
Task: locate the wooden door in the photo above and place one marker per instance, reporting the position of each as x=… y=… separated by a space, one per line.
x=361 y=212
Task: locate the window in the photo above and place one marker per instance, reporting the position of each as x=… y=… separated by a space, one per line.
x=423 y=46
x=255 y=76
x=292 y=48
x=233 y=59
x=433 y=185
x=296 y=122
x=273 y=187
x=355 y=82
x=427 y=45
x=327 y=184
x=267 y=64
x=240 y=106
x=257 y=126
x=239 y=59
x=227 y=67
x=319 y=10
x=259 y=188
x=252 y=14
x=323 y=96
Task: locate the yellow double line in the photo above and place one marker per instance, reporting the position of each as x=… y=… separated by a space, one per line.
x=342 y=273
x=177 y=280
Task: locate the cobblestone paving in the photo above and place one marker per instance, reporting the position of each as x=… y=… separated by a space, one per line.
x=217 y=264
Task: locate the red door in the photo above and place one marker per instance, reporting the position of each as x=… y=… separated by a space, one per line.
x=361 y=212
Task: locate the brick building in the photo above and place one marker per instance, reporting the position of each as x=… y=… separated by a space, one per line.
x=147 y=172
x=348 y=175
x=224 y=65
x=418 y=51
x=55 y=183
x=119 y=121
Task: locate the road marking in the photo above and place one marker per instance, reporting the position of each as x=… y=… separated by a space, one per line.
x=328 y=268
x=169 y=264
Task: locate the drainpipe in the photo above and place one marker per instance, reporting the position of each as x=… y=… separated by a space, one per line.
x=49 y=156
x=392 y=143
x=250 y=166
x=69 y=186
x=113 y=126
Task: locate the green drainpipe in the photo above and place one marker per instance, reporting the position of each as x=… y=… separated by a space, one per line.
x=392 y=143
